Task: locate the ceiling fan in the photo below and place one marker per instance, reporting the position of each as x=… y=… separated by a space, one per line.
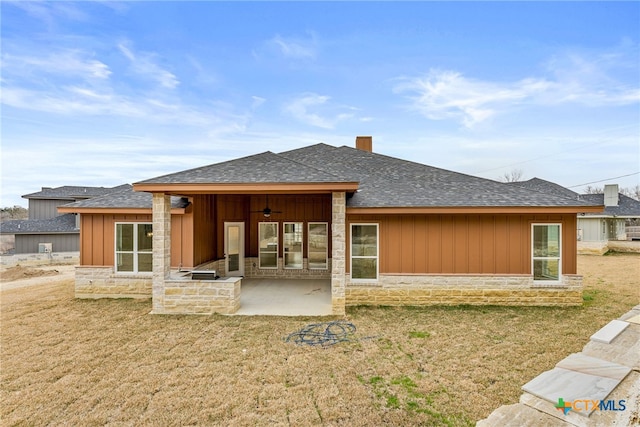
x=267 y=210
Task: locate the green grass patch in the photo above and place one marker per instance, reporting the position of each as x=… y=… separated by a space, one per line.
x=419 y=334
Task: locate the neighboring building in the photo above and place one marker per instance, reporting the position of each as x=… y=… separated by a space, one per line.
x=382 y=230
x=595 y=229
x=46 y=230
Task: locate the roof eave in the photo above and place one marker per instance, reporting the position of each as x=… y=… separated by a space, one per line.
x=247 y=188
x=475 y=210
x=113 y=210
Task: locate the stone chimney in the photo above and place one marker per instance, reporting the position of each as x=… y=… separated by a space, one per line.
x=364 y=143
x=611 y=195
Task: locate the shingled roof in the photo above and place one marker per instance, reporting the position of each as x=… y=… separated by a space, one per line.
x=265 y=167
x=125 y=197
x=543 y=186
x=627 y=207
x=61 y=224
x=391 y=182
x=383 y=181
x=70 y=192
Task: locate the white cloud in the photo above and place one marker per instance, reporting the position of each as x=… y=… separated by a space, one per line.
x=589 y=81
x=295 y=47
x=257 y=101
x=49 y=11
x=290 y=48
x=305 y=109
x=443 y=94
x=145 y=65
x=64 y=62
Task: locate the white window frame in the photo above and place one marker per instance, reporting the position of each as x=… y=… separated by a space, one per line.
x=135 y=252
x=559 y=257
x=277 y=250
x=284 y=245
x=326 y=249
x=376 y=257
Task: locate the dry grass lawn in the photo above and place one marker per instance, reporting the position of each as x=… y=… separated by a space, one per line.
x=82 y=362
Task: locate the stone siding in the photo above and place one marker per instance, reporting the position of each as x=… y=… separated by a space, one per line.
x=40 y=259
x=185 y=296
x=251 y=270
x=400 y=290
x=338 y=252
x=102 y=282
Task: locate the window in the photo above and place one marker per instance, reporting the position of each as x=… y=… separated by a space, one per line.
x=364 y=251
x=268 y=244
x=546 y=252
x=134 y=247
x=318 y=245
x=293 y=244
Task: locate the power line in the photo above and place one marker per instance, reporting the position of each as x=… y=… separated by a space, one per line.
x=603 y=180
x=581 y=147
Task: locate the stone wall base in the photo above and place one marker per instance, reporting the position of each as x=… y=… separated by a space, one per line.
x=102 y=282
x=461 y=290
x=185 y=296
x=251 y=270
x=40 y=259
x=592 y=248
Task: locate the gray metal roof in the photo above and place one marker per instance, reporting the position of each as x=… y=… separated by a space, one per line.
x=627 y=207
x=265 y=167
x=60 y=224
x=70 y=192
x=125 y=197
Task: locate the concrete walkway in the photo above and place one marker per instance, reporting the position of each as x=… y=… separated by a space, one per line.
x=285 y=297
x=607 y=369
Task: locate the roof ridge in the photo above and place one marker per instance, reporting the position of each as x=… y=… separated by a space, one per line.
x=307 y=165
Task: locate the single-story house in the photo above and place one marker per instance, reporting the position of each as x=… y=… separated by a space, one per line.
x=595 y=229
x=46 y=230
x=381 y=230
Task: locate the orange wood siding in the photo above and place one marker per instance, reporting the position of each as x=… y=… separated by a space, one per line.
x=294 y=208
x=97 y=238
x=464 y=244
x=204 y=226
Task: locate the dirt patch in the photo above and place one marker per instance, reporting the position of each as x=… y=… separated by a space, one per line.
x=19 y=272
x=108 y=362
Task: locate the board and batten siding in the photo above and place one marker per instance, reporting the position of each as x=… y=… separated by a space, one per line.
x=28 y=243
x=287 y=208
x=463 y=244
x=45 y=209
x=97 y=238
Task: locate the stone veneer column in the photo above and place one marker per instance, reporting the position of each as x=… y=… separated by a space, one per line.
x=338 y=251
x=161 y=248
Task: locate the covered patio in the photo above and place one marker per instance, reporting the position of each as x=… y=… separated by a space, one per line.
x=285 y=297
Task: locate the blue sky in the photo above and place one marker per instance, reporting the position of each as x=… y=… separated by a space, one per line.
x=105 y=93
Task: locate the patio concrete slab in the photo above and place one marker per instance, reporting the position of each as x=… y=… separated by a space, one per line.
x=285 y=297
x=609 y=331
